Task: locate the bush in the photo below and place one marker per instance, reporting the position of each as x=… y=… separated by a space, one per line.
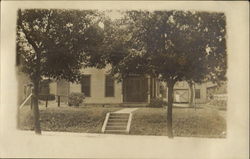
x=157 y=102
x=46 y=97
x=75 y=99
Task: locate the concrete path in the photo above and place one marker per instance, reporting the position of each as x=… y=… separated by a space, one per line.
x=126 y=110
x=83 y=145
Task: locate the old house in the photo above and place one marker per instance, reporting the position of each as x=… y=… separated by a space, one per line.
x=100 y=88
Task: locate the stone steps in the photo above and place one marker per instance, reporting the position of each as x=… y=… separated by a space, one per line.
x=117 y=123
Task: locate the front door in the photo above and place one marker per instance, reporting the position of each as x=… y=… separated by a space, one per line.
x=135 y=89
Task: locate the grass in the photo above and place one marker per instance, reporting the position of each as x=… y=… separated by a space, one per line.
x=186 y=122
x=68 y=119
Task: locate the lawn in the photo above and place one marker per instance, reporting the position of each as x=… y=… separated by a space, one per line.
x=187 y=122
x=68 y=119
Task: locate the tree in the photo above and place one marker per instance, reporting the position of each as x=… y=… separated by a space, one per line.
x=192 y=96
x=182 y=46
x=56 y=44
x=121 y=51
x=173 y=46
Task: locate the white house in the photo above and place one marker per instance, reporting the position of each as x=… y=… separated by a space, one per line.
x=100 y=88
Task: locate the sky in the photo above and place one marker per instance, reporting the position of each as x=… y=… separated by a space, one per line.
x=114 y=14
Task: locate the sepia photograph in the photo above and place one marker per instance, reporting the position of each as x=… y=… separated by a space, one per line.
x=123 y=75
x=129 y=72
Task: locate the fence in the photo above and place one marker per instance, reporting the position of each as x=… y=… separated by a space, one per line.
x=47 y=96
x=220 y=96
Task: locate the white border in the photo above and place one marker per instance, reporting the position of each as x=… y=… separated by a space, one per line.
x=16 y=144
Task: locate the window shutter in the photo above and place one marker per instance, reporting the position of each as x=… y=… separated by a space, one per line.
x=109 y=86
x=197 y=93
x=85 y=83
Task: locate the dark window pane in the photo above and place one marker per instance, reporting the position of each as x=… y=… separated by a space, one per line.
x=197 y=93
x=109 y=86
x=85 y=83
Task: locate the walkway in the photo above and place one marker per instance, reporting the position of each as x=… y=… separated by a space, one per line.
x=126 y=110
x=84 y=145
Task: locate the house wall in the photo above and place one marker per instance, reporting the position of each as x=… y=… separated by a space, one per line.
x=184 y=86
x=23 y=89
x=203 y=90
x=97 y=88
x=52 y=88
x=63 y=90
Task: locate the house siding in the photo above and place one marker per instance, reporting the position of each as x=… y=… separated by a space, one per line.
x=63 y=90
x=203 y=93
x=23 y=90
x=185 y=87
x=97 y=88
x=52 y=88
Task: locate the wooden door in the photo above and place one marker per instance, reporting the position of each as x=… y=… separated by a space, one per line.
x=181 y=96
x=135 y=89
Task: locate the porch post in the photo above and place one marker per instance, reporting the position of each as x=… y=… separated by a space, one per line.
x=148 y=89
x=122 y=91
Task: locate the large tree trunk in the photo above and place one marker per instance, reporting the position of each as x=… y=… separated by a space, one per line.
x=191 y=100
x=36 y=108
x=170 y=107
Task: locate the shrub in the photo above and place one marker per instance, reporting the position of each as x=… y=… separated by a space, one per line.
x=46 y=97
x=157 y=102
x=75 y=99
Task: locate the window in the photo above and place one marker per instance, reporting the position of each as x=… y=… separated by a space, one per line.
x=109 y=86
x=197 y=93
x=85 y=83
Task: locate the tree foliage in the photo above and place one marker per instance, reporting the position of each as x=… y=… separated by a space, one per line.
x=182 y=45
x=170 y=45
x=58 y=43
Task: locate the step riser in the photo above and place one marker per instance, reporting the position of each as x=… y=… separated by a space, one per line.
x=117 y=124
x=118 y=118
x=114 y=131
x=119 y=115
x=116 y=128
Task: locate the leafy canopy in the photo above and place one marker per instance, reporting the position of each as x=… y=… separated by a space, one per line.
x=58 y=43
x=172 y=45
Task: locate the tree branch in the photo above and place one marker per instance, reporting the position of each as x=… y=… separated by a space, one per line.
x=30 y=41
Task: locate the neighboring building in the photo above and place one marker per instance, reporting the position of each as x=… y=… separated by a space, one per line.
x=23 y=82
x=182 y=92
x=100 y=88
x=24 y=87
